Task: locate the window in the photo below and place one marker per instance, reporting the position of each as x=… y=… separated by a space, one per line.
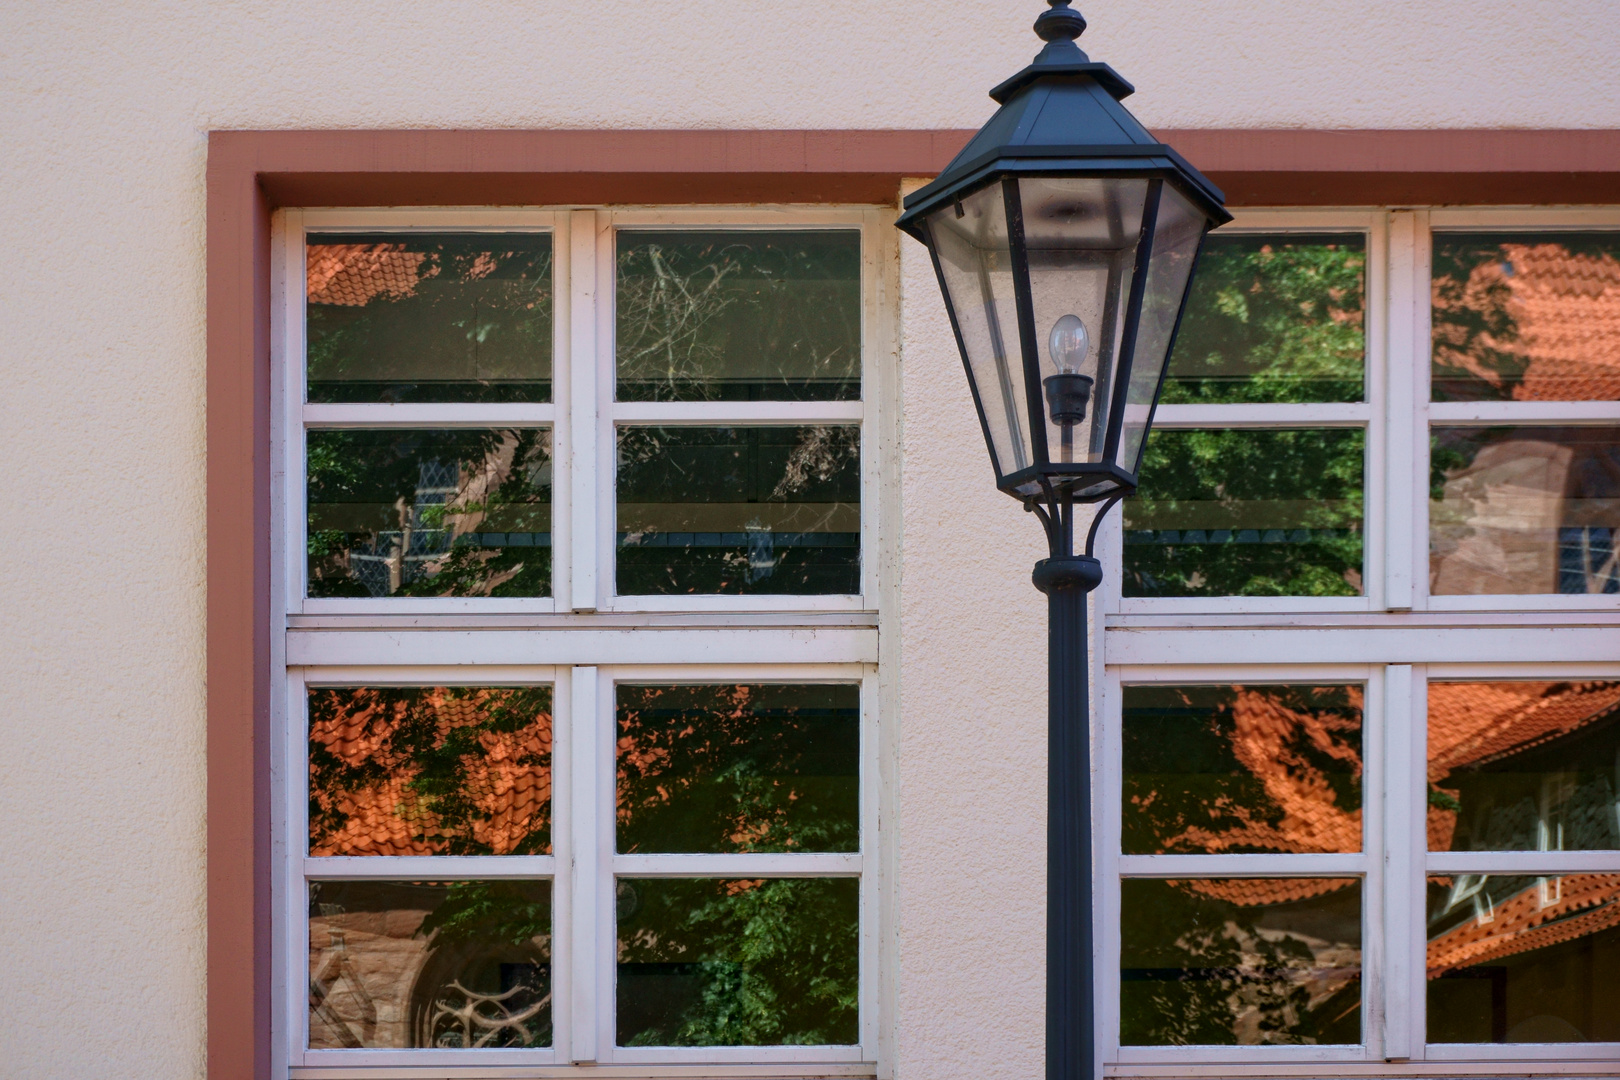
x=1358 y=754
x=581 y=582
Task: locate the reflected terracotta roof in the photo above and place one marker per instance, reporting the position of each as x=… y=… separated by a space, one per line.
x=390 y=818
x=351 y=275
x=1551 y=911
x=1261 y=892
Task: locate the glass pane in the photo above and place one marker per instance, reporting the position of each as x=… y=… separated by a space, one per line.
x=454 y=965
x=441 y=770
x=1524 y=510
x=1526 y=316
x=1275 y=317
x=416 y=317
x=1228 y=769
x=756 y=962
x=738 y=768
x=1524 y=766
x=414 y=512
x=767 y=510
x=1515 y=959
x=739 y=316
x=1240 y=962
x=1247 y=512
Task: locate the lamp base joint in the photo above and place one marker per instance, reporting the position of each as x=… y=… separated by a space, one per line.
x=1072 y=573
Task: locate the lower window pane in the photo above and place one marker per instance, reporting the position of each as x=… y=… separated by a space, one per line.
x=1515 y=959
x=1524 y=510
x=1239 y=512
x=708 y=962
x=462 y=964
x=1240 y=961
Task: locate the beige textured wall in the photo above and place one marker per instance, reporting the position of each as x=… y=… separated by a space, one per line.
x=103 y=114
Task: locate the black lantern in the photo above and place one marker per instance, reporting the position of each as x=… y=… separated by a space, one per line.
x=1065 y=236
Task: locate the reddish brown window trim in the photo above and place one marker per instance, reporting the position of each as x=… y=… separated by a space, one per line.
x=250 y=173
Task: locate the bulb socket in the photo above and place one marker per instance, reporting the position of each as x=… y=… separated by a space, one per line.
x=1067 y=396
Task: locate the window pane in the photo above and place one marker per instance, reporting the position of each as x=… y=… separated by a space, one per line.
x=415 y=317
x=402 y=964
x=451 y=512
x=1526 y=316
x=1273 y=318
x=738 y=768
x=430 y=771
x=1226 y=769
x=739 y=316
x=1240 y=961
x=739 y=510
x=737 y=963
x=1524 y=766
x=1515 y=959
x=1236 y=512
x=1524 y=510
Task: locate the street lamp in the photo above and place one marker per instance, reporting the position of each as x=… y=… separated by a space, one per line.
x=1064 y=236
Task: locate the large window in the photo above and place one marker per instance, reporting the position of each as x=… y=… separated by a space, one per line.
x=578 y=517
x=1359 y=762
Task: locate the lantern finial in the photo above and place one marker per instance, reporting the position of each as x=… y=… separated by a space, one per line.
x=1058 y=28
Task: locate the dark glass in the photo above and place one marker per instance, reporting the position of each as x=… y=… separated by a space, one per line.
x=706 y=962
x=1524 y=959
x=738 y=768
x=1276 y=317
x=450 y=965
x=1524 y=510
x=1526 y=316
x=761 y=510
x=739 y=316
x=1247 y=512
x=434 y=770
x=417 y=317
x=1524 y=766
x=1226 y=769
x=443 y=512
x=1240 y=962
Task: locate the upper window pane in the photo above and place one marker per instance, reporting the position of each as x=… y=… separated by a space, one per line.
x=1273 y=318
x=418 y=317
x=1524 y=766
x=1526 y=316
x=739 y=316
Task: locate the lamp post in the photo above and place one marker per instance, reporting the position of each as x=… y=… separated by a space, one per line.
x=1064 y=236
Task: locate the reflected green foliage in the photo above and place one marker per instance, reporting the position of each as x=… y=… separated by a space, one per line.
x=1235 y=512
x=1198 y=969
x=429 y=512
x=738 y=315
x=737 y=963
x=442 y=741
x=1272 y=318
x=417 y=318
x=1229 y=769
x=738 y=768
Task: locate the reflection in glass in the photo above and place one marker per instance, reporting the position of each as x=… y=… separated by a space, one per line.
x=739 y=316
x=418 y=317
x=738 y=768
x=445 y=512
x=449 y=965
x=1240 y=961
x=1517 y=959
x=739 y=510
x=758 y=962
x=1524 y=510
x=1227 y=769
x=1273 y=318
x=1246 y=512
x=418 y=770
x=1526 y=316
x=1524 y=766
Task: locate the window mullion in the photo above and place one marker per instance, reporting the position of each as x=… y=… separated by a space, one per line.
x=1403 y=850
x=581 y=361
x=585 y=779
x=1405 y=314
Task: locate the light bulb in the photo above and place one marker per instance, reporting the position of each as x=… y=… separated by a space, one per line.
x=1069 y=343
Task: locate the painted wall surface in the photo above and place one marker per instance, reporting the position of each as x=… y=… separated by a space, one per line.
x=104 y=110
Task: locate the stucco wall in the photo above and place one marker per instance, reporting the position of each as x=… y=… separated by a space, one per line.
x=103 y=113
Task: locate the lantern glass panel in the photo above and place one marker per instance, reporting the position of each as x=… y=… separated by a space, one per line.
x=975 y=268
x=1176 y=237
